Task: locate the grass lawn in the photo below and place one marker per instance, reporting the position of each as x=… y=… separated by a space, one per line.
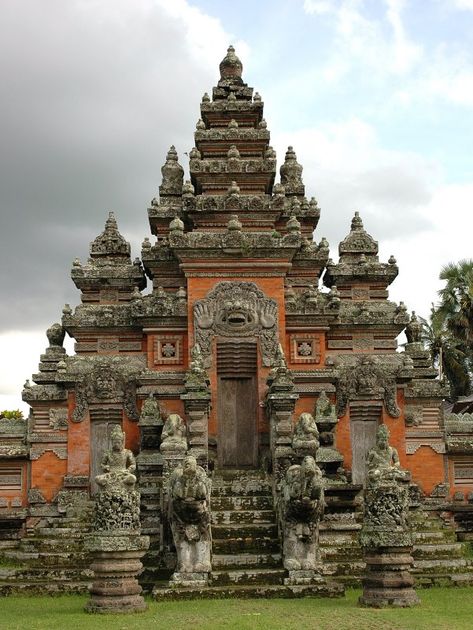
x=444 y=609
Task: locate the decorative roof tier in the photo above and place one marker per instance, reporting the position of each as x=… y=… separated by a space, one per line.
x=359 y=265
x=232 y=168
x=109 y=275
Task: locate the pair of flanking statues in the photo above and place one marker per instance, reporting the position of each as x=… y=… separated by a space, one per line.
x=301 y=504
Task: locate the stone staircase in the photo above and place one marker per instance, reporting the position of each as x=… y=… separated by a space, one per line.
x=439 y=560
x=49 y=560
x=246 y=557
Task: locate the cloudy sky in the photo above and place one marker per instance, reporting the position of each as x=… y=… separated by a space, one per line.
x=376 y=97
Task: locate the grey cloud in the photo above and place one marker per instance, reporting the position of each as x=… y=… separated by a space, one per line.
x=91 y=102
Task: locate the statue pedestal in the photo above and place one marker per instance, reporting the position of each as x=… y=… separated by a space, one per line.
x=116 y=565
x=388 y=580
x=196 y=579
x=301 y=577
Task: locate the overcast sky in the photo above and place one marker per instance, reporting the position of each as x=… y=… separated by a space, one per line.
x=376 y=98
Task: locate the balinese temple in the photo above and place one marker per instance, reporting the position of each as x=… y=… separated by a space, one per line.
x=247 y=323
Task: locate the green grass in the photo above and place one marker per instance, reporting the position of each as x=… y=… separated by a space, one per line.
x=441 y=609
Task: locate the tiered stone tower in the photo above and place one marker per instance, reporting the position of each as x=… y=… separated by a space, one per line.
x=238 y=338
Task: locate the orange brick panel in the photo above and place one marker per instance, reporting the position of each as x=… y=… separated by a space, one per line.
x=47 y=474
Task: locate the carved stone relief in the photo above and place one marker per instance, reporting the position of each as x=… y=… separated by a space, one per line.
x=237 y=309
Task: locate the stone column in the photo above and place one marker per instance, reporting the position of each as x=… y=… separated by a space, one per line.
x=116 y=565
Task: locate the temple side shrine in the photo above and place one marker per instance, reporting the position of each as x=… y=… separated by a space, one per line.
x=257 y=363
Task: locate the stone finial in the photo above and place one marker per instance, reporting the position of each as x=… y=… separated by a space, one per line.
x=55 y=335
x=136 y=295
x=234 y=225
x=233 y=189
x=194 y=154
x=392 y=260
x=188 y=189
x=356 y=222
x=146 y=244
x=200 y=125
x=270 y=153
x=67 y=310
x=257 y=97
x=233 y=124
x=173 y=174
x=205 y=98
x=291 y=171
x=278 y=190
x=176 y=225
x=414 y=329
x=233 y=152
x=293 y=226
x=110 y=242
x=358 y=242
x=231 y=67
x=263 y=124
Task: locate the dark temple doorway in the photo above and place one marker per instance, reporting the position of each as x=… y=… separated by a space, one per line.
x=237 y=406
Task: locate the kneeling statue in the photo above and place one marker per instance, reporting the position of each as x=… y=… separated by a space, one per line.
x=302 y=507
x=190 y=517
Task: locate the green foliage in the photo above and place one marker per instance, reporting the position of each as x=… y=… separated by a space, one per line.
x=449 y=333
x=15 y=414
x=440 y=609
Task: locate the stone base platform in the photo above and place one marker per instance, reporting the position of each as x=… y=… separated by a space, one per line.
x=253 y=591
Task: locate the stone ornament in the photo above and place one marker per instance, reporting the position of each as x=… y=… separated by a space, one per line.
x=367 y=377
x=302 y=506
x=189 y=514
x=117 y=504
x=237 y=309
x=174 y=435
x=173 y=174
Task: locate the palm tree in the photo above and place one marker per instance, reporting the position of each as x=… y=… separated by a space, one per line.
x=447 y=353
x=456 y=302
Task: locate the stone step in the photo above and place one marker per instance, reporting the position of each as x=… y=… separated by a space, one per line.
x=438 y=551
x=249 y=591
x=245 y=530
x=247 y=576
x=247 y=560
x=437 y=565
x=238 y=544
x=420 y=538
x=58 y=532
x=49 y=558
x=239 y=474
x=339 y=526
x=339 y=539
x=42 y=588
x=345 y=569
x=32 y=574
x=230 y=502
x=444 y=580
x=236 y=488
x=341 y=554
x=257 y=517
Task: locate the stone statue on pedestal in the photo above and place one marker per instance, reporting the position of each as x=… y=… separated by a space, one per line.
x=306 y=435
x=189 y=512
x=385 y=536
x=302 y=506
x=174 y=435
x=383 y=461
x=116 y=544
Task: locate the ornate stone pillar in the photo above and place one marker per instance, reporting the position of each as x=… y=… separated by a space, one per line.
x=116 y=544
x=386 y=537
x=196 y=403
x=280 y=403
